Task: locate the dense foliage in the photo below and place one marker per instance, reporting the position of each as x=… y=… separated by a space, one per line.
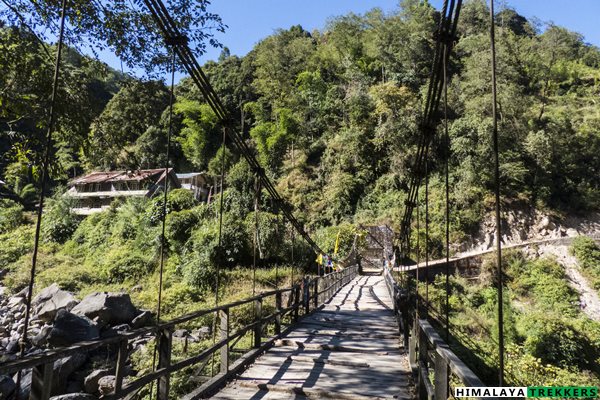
x=549 y=340
x=587 y=252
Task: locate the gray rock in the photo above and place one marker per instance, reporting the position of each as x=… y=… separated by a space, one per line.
x=15 y=301
x=25 y=386
x=74 y=396
x=22 y=293
x=201 y=333
x=70 y=328
x=7 y=386
x=113 y=331
x=64 y=368
x=145 y=318
x=572 y=232
x=107 y=308
x=42 y=337
x=12 y=347
x=50 y=300
x=180 y=333
x=106 y=384
x=91 y=381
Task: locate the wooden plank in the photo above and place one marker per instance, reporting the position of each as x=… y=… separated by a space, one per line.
x=350 y=347
x=310 y=393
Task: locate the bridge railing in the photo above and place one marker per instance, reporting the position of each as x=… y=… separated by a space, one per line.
x=429 y=355
x=301 y=299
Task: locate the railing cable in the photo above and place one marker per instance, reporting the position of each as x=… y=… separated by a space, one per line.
x=426 y=230
x=164 y=213
x=221 y=251
x=447 y=179
x=497 y=196
x=44 y=177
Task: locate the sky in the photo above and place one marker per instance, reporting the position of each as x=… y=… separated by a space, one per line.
x=249 y=21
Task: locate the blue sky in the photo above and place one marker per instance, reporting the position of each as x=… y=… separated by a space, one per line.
x=251 y=20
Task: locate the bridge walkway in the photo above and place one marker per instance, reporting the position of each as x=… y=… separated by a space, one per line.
x=349 y=349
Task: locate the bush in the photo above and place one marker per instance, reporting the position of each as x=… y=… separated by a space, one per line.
x=271 y=234
x=587 y=253
x=11 y=215
x=177 y=200
x=58 y=222
x=203 y=254
x=554 y=341
x=15 y=244
x=179 y=226
x=123 y=264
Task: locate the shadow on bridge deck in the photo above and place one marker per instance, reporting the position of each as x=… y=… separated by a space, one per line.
x=350 y=349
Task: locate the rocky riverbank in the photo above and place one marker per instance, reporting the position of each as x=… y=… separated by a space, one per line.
x=59 y=319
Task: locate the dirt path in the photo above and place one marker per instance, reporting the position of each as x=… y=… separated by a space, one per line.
x=587 y=295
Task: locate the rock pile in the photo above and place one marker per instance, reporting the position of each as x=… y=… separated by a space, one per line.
x=58 y=319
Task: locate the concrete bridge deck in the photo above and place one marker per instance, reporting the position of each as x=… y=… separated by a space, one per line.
x=350 y=349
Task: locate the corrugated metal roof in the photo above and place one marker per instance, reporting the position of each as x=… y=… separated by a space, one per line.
x=189 y=174
x=117 y=176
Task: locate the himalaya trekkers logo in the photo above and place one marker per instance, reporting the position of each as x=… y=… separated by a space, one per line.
x=562 y=392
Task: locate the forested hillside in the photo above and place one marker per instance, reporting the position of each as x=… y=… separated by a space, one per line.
x=332 y=114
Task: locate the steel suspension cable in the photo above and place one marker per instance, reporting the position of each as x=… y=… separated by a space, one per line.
x=164 y=214
x=255 y=244
x=446 y=30
x=418 y=258
x=447 y=179
x=166 y=189
x=169 y=29
x=44 y=177
x=222 y=184
x=426 y=233
x=221 y=252
x=497 y=198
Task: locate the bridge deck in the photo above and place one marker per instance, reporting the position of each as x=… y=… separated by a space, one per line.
x=350 y=349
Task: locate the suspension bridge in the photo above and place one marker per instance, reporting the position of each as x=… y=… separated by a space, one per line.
x=362 y=332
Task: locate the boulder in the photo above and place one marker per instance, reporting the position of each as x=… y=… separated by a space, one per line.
x=572 y=232
x=64 y=368
x=106 y=384
x=202 y=333
x=144 y=319
x=70 y=328
x=7 y=386
x=181 y=333
x=74 y=396
x=13 y=346
x=15 y=301
x=25 y=386
x=91 y=381
x=50 y=300
x=113 y=331
x=42 y=337
x=107 y=308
